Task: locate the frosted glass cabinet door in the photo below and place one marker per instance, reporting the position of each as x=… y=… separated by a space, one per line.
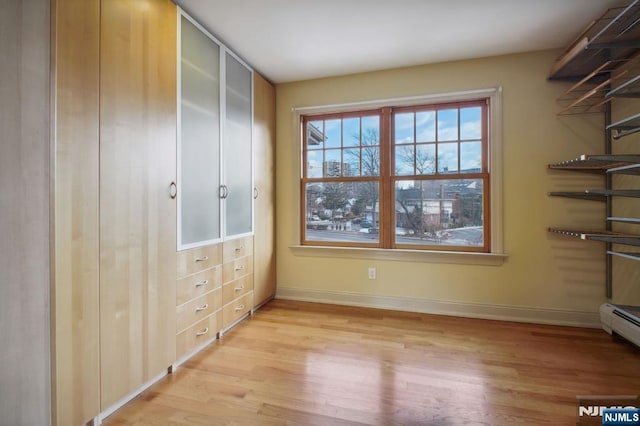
x=199 y=138
x=237 y=149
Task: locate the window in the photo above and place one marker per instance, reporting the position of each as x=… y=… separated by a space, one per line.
x=409 y=177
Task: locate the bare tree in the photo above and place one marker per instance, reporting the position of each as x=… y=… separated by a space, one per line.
x=367 y=160
x=420 y=162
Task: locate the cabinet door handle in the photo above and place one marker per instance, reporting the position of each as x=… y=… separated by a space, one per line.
x=223 y=191
x=173 y=190
x=239 y=288
x=239 y=268
x=202 y=308
x=202 y=259
x=239 y=248
x=202 y=283
x=202 y=332
x=255 y=193
x=239 y=308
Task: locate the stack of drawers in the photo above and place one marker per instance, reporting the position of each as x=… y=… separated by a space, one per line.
x=198 y=297
x=237 y=278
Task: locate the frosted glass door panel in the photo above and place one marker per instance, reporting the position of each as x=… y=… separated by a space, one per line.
x=199 y=137
x=237 y=149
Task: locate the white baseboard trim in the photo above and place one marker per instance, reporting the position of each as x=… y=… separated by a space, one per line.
x=97 y=421
x=467 y=310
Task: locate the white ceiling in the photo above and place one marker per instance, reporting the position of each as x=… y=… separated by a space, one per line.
x=290 y=40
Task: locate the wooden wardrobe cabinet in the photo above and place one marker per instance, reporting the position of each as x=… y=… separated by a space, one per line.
x=137 y=210
x=125 y=304
x=264 y=137
x=114 y=223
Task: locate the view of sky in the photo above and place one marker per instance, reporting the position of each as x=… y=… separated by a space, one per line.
x=427 y=126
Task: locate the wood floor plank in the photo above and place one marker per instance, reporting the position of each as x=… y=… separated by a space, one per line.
x=296 y=363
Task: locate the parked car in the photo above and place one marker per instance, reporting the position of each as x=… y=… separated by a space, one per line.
x=365 y=224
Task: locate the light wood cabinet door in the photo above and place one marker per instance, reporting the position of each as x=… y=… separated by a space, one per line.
x=137 y=214
x=75 y=302
x=264 y=177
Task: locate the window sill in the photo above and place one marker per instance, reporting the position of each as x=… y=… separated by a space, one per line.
x=430 y=256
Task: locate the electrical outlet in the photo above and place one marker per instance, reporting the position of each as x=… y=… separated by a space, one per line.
x=372 y=273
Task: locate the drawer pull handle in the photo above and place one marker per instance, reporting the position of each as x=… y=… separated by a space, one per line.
x=240 y=268
x=239 y=248
x=239 y=308
x=239 y=288
x=202 y=283
x=202 y=308
x=202 y=259
x=202 y=332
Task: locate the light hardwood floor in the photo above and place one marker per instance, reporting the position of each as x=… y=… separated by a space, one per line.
x=312 y=364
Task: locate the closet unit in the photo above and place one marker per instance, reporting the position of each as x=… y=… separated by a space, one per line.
x=215 y=184
x=604 y=64
x=115 y=152
x=215 y=160
x=153 y=198
x=198 y=297
x=264 y=136
x=137 y=168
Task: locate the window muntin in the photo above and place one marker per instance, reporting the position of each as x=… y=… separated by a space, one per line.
x=427 y=147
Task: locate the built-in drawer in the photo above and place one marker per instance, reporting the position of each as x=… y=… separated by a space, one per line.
x=237 y=268
x=195 y=310
x=196 y=285
x=234 y=249
x=199 y=333
x=236 y=309
x=198 y=259
x=237 y=288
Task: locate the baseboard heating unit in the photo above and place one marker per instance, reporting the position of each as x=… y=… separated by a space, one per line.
x=621 y=320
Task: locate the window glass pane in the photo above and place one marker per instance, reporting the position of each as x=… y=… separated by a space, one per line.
x=342 y=211
x=352 y=160
x=237 y=148
x=314 y=164
x=448 y=125
x=332 y=132
x=439 y=212
x=371 y=161
x=470 y=157
x=470 y=123
x=425 y=159
x=447 y=158
x=315 y=135
x=199 y=144
x=426 y=126
x=332 y=166
x=351 y=132
x=404 y=127
x=405 y=155
x=371 y=130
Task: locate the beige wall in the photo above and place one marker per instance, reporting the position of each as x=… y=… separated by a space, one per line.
x=542 y=271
